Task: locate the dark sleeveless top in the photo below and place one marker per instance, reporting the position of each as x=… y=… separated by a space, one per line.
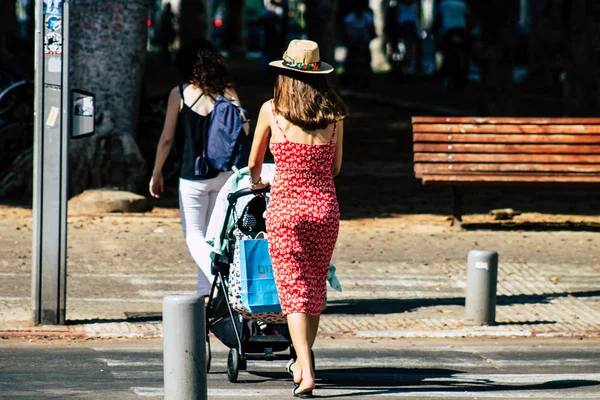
x=191 y=129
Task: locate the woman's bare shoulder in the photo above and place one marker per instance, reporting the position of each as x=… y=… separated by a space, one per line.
x=267 y=107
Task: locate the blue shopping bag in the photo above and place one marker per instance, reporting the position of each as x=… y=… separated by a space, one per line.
x=259 y=293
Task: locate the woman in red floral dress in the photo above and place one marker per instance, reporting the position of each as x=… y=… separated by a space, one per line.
x=303 y=127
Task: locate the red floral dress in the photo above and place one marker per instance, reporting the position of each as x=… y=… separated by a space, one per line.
x=302 y=223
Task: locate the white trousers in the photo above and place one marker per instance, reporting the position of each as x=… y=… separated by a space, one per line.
x=196 y=203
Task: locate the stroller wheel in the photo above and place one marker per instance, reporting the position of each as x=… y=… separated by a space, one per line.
x=208 y=355
x=233 y=365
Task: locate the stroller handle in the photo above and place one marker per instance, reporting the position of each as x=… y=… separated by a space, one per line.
x=233 y=197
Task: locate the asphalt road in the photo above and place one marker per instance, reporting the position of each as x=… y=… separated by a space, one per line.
x=357 y=369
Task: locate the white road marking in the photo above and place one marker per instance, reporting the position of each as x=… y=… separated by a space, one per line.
x=163 y=293
x=155 y=362
x=132 y=276
x=148 y=391
x=443 y=334
x=406 y=362
x=177 y=282
x=380 y=392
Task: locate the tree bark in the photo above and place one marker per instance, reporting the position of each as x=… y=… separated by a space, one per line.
x=582 y=84
x=498 y=58
x=321 y=18
x=194 y=20
x=108 y=51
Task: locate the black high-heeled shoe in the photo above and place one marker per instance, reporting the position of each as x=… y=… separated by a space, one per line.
x=304 y=395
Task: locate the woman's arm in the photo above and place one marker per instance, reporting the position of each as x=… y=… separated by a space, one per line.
x=259 y=147
x=336 y=166
x=165 y=142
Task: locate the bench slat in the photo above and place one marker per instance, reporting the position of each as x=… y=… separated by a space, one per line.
x=507 y=148
x=448 y=168
x=495 y=138
x=506 y=120
x=509 y=178
x=502 y=158
x=505 y=128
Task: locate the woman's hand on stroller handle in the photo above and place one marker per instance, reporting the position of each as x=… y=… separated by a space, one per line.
x=232 y=197
x=259 y=186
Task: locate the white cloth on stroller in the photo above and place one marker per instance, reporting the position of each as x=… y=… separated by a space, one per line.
x=239 y=180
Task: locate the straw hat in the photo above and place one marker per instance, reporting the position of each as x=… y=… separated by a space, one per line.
x=303 y=56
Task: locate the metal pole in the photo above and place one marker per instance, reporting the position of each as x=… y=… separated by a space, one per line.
x=482 y=279
x=184 y=347
x=50 y=162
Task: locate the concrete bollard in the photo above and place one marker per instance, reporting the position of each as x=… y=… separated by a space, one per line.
x=184 y=347
x=482 y=278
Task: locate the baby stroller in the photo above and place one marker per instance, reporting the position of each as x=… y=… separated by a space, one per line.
x=248 y=336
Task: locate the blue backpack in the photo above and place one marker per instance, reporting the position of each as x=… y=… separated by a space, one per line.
x=227 y=144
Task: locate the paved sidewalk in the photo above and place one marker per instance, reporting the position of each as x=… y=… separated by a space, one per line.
x=402 y=277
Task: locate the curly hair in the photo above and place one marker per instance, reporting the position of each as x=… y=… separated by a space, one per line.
x=307 y=100
x=199 y=63
x=210 y=71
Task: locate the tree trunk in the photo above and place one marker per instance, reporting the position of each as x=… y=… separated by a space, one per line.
x=236 y=28
x=545 y=43
x=582 y=85
x=194 y=20
x=498 y=58
x=108 y=48
x=321 y=18
x=108 y=51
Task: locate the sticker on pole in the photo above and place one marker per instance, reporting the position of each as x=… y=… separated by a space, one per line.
x=53 y=7
x=54 y=23
x=53 y=43
x=52 y=116
x=482 y=266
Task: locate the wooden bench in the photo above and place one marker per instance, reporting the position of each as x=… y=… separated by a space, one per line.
x=505 y=151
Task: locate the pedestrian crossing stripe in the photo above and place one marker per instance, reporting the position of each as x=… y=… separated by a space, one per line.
x=382 y=392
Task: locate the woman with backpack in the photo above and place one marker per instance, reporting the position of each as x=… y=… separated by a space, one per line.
x=303 y=127
x=188 y=118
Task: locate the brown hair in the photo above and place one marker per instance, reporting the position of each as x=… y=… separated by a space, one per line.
x=307 y=100
x=209 y=71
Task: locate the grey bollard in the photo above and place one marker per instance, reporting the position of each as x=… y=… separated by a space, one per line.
x=482 y=278
x=184 y=347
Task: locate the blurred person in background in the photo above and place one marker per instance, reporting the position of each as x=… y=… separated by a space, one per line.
x=166 y=33
x=358 y=31
x=451 y=28
x=408 y=31
x=273 y=36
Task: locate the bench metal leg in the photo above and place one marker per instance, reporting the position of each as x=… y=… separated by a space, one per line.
x=457 y=207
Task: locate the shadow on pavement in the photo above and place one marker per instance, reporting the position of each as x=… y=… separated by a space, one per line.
x=387 y=381
x=534 y=226
x=396 y=306
x=462 y=385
